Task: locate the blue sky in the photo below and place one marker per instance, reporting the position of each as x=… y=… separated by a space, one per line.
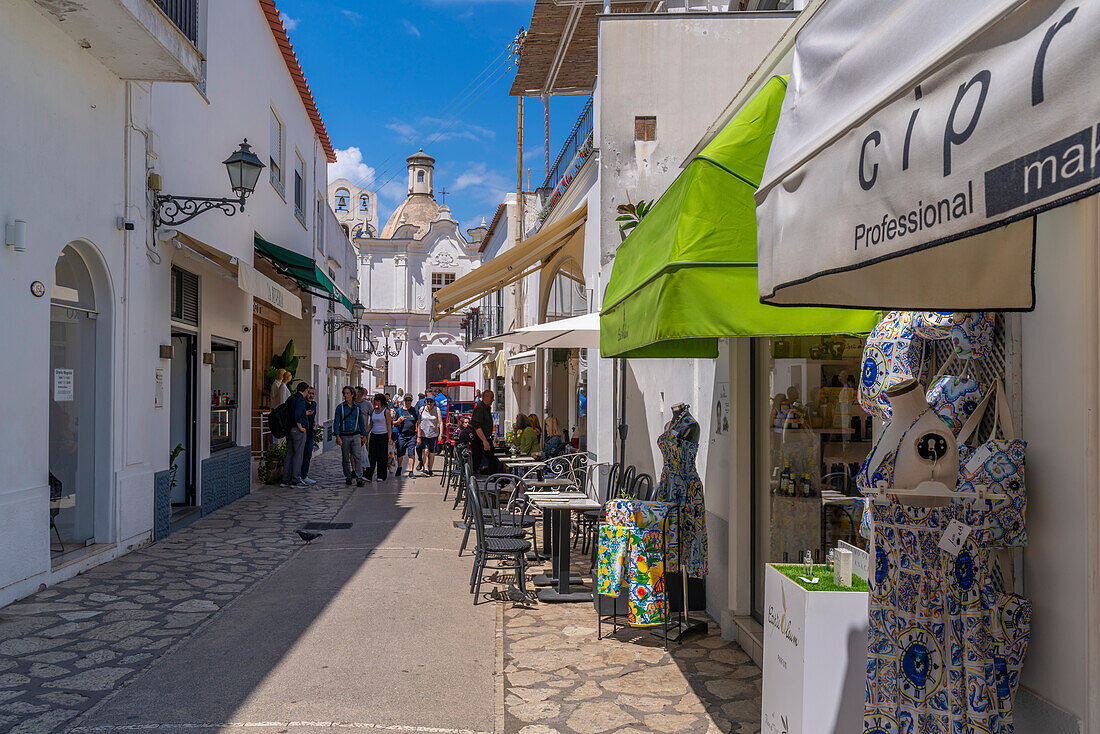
x=388 y=76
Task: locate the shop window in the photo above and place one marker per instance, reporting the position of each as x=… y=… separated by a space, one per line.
x=645 y=128
x=278 y=151
x=812 y=436
x=440 y=280
x=224 y=385
x=185 y=296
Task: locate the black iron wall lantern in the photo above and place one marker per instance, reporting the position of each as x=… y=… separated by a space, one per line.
x=244 y=171
x=334 y=325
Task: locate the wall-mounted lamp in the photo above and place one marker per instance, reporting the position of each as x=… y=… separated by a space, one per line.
x=244 y=169
x=15 y=235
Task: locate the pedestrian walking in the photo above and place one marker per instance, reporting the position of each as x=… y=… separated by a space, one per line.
x=421 y=400
x=481 y=420
x=406 y=422
x=311 y=428
x=350 y=425
x=427 y=433
x=366 y=405
x=295 y=438
x=380 y=441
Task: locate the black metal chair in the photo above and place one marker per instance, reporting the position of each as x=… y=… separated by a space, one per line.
x=642 y=489
x=501 y=522
x=490 y=552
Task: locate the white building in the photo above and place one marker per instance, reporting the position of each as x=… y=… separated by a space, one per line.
x=356 y=208
x=419 y=250
x=134 y=338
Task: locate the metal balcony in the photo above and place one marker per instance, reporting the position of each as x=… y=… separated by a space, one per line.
x=143 y=40
x=483 y=322
x=577 y=148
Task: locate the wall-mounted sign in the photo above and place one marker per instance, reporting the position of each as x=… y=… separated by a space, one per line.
x=62 y=385
x=38 y=289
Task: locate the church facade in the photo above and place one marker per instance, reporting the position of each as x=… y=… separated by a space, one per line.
x=418 y=251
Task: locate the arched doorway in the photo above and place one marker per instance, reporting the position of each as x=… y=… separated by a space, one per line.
x=567 y=369
x=439 y=367
x=78 y=404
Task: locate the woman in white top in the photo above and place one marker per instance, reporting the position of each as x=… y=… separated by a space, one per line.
x=427 y=431
x=279 y=391
x=378 y=445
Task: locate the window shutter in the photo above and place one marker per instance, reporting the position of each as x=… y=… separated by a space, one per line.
x=185 y=296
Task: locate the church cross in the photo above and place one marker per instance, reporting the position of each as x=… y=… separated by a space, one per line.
x=442 y=195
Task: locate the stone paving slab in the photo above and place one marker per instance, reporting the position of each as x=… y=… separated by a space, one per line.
x=561 y=679
x=63 y=649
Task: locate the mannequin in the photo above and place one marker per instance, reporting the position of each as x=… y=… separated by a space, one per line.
x=683 y=425
x=915 y=446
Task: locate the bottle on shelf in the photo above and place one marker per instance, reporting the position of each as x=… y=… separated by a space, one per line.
x=807 y=488
x=785 y=478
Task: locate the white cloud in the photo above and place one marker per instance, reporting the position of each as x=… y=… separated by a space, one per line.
x=489 y=186
x=349 y=164
x=289 y=23
x=405 y=132
x=427 y=131
x=413 y=30
x=353 y=16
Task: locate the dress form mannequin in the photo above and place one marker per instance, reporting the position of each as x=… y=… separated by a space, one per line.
x=916 y=446
x=683 y=424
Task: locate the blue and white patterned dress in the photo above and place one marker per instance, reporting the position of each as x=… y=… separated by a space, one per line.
x=681 y=485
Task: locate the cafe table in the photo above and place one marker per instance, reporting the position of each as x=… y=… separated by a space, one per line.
x=558 y=508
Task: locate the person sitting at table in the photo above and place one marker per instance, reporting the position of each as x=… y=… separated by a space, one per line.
x=555 y=443
x=527 y=441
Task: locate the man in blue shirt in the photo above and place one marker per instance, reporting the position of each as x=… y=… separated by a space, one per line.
x=404 y=423
x=296 y=437
x=311 y=427
x=350 y=426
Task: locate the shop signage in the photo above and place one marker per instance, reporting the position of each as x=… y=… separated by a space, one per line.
x=993 y=117
x=260 y=286
x=62 y=385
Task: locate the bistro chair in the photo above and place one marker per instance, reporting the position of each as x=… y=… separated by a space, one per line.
x=502 y=554
x=626 y=480
x=642 y=488
x=500 y=522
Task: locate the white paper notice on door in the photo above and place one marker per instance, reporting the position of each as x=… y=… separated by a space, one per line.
x=62 y=385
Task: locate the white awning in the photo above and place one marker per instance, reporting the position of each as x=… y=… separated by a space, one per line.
x=251 y=280
x=917 y=141
x=522 y=358
x=470 y=365
x=578 y=332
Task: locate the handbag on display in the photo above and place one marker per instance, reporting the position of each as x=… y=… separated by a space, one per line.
x=997 y=463
x=893 y=353
x=936 y=324
x=953 y=397
x=972 y=338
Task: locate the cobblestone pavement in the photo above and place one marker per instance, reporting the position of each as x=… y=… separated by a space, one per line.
x=561 y=678
x=65 y=648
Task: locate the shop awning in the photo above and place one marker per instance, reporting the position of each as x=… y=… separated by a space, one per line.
x=578 y=332
x=249 y=279
x=301 y=269
x=687 y=275
x=522 y=358
x=917 y=144
x=520 y=261
x=470 y=365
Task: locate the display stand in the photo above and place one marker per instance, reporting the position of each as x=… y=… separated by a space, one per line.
x=815 y=649
x=615 y=617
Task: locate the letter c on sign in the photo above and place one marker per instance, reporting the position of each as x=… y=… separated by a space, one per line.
x=864 y=182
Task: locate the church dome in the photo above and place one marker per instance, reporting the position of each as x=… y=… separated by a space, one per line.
x=420 y=208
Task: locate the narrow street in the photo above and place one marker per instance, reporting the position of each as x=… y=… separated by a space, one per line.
x=233 y=622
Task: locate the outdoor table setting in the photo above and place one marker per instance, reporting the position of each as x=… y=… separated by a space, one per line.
x=557 y=508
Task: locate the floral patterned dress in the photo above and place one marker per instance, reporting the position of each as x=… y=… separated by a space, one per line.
x=680 y=484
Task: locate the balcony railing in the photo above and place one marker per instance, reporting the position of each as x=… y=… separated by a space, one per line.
x=483 y=322
x=577 y=148
x=184 y=14
x=354 y=340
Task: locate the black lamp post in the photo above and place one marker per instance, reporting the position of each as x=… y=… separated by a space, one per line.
x=244 y=171
x=385 y=351
x=334 y=325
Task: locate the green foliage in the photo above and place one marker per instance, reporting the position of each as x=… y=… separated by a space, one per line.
x=318 y=434
x=270 y=470
x=285 y=361
x=172 y=468
x=630 y=214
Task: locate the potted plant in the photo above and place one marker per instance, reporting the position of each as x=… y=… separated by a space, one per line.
x=270 y=469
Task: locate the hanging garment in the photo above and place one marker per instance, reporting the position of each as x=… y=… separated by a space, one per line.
x=642 y=551
x=646 y=516
x=680 y=484
x=1011 y=628
x=931 y=658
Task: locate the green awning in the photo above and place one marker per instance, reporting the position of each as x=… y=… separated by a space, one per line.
x=301 y=269
x=687 y=274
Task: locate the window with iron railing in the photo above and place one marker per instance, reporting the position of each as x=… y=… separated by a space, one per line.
x=484 y=322
x=184 y=14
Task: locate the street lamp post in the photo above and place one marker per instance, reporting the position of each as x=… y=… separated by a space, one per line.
x=385 y=351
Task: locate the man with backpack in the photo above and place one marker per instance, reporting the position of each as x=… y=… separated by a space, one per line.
x=295 y=408
x=350 y=426
x=406 y=424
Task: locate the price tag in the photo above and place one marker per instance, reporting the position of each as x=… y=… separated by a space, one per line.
x=978 y=458
x=953 y=538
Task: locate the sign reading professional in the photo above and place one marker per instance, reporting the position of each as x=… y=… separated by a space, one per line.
x=937 y=133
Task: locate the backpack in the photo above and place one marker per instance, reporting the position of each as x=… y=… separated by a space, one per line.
x=278 y=420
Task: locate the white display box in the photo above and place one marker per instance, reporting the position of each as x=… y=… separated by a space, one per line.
x=815 y=658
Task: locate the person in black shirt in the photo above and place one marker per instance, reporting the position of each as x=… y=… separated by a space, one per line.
x=481 y=445
x=404 y=423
